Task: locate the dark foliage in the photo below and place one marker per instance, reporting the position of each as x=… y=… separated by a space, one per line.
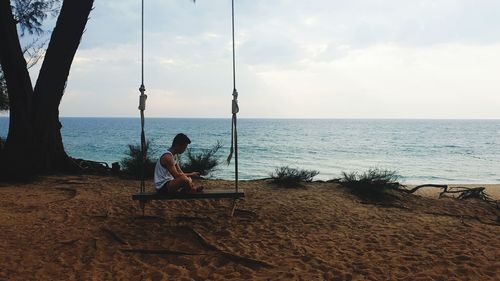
x=31 y=14
x=371 y=184
x=4 y=97
x=203 y=162
x=132 y=165
x=292 y=177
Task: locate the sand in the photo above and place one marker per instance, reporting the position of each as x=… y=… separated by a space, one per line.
x=88 y=228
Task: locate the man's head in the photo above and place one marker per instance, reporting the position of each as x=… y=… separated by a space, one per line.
x=180 y=143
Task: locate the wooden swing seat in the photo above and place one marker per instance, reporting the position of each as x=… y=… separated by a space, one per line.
x=206 y=194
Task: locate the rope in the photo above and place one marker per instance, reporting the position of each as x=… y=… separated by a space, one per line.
x=234 y=56
x=142 y=102
x=234 y=109
x=142 y=43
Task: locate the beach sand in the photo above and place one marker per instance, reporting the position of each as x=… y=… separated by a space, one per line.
x=88 y=228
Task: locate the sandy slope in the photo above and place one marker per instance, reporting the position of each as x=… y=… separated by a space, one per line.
x=88 y=228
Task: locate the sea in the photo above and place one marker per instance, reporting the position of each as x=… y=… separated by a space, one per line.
x=420 y=151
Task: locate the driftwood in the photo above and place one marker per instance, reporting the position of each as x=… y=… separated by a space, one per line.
x=466 y=193
x=463 y=192
x=425 y=185
x=96 y=167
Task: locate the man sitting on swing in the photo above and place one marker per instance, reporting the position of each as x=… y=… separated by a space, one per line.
x=168 y=174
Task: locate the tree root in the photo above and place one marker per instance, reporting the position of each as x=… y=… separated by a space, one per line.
x=72 y=193
x=67 y=242
x=249 y=262
x=160 y=252
x=114 y=236
x=149 y=218
x=191 y=218
x=70 y=182
x=386 y=205
x=245 y=261
x=246 y=214
x=462 y=217
x=200 y=238
x=103 y=216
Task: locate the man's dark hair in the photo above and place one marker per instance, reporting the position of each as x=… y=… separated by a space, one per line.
x=181 y=139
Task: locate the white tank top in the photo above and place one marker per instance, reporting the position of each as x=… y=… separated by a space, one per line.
x=162 y=175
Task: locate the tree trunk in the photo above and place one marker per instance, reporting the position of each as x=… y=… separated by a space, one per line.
x=51 y=83
x=17 y=156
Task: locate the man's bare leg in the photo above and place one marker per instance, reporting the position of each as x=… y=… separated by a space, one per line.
x=183 y=182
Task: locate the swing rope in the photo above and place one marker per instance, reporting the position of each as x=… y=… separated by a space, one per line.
x=142 y=103
x=234 y=110
x=234 y=107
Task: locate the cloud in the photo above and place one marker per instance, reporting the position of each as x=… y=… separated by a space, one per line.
x=392 y=81
x=359 y=59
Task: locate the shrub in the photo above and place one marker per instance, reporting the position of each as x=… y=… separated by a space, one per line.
x=372 y=183
x=132 y=164
x=292 y=177
x=203 y=162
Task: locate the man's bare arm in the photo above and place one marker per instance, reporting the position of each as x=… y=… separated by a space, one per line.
x=193 y=174
x=178 y=167
x=167 y=161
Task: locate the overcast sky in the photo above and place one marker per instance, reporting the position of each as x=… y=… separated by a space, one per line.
x=295 y=59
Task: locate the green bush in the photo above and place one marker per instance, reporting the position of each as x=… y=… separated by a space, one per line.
x=292 y=177
x=132 y=165
x=372 y=183
x=203 y=162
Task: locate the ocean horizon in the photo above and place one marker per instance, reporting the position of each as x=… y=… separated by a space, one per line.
x=420 y=150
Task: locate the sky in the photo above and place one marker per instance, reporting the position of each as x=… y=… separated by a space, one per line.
x=294 y=59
